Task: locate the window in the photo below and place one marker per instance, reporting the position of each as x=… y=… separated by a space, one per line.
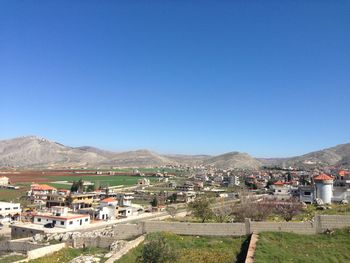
x=39 y=219
x=86 y=219
x=71 y=222
x=307 y=193
x=62 y=223
x=54 y=221
x=7 y=208
x=15 y=208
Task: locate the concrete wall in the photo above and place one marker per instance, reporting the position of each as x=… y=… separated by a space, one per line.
x=202 y=229
x=127 y=231
x=21 y=246
x=40 y=252
x=19 y=232
x=293 y=227
x=332 y=222
x=102 y=242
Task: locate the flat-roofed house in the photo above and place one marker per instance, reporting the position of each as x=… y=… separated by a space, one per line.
x=60 y=217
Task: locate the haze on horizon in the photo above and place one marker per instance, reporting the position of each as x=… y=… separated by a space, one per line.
x=270 y=79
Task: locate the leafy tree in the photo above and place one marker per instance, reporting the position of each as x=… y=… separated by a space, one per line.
x=154 y=202
x=97 y=185
x=74 y=187
x=173 y=198
x=91 y=188
x=77 y=186
x=157 y=250
x=201 y=208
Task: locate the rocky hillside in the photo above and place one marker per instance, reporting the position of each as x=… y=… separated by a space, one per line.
x=35 y=152
x=338 y=155
x=234 y=160
x=32 y=151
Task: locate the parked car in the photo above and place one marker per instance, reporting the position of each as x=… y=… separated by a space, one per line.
x=49 y=225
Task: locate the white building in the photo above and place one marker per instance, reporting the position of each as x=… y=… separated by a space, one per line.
x=281 y=190
x=4 y=181
x=108 y=209
x=125 y=199
x=9 y=210
x=233 y=180
x=60 y=217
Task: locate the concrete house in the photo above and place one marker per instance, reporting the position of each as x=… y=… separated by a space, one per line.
x=60 y=217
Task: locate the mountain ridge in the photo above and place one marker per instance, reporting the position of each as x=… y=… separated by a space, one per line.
x=35 y=151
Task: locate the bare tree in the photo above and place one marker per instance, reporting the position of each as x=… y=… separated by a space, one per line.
x=172 y=210
x=252 y=209
x=288 y=210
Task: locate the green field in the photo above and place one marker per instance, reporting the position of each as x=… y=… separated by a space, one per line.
x=288 y=247
x=103 y=180
x=7 y=195
x=196 y=249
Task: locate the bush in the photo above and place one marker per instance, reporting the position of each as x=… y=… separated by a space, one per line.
x=157 y=250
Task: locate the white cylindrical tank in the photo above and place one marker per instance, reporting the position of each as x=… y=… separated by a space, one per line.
x=324 y=188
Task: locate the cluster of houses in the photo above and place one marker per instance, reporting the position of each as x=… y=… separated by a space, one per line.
x=323 y=189
x=66 y=209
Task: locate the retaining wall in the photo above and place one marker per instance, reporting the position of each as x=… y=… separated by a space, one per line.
x=127 y=231
x=102 y=242
x=43 y=251
x=19 y=245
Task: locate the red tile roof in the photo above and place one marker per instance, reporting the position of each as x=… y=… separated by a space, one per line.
x=323 y=177
x=343 y=173
x=279 y=183
x=108 y=200
x=42 y=187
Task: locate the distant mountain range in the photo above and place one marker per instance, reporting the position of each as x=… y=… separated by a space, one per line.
x=36 y=152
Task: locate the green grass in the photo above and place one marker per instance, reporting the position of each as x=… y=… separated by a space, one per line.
x=11 y=258
x=67 y=254
x=103 y=180
x=281 y=247
x=195 y=249
x=8 y=195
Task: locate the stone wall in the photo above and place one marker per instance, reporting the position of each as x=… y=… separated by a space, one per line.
x=132 y=244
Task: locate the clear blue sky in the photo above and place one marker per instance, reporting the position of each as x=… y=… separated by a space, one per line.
x=271 y=78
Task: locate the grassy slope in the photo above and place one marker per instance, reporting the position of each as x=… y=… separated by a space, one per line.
x=67 y=254
x=288 y=247
x=11 y=258
x=196 y=249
